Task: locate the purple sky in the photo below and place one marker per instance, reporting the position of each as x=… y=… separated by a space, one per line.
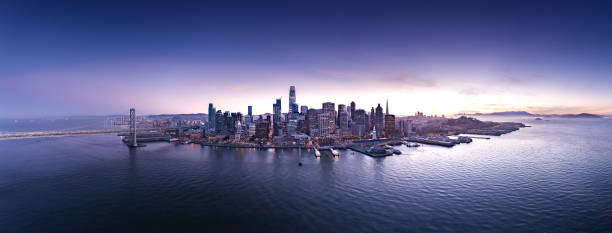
x=438 y=57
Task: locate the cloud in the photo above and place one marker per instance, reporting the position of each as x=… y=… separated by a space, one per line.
x=239 y=87
x=470 y=92
x=409 y=81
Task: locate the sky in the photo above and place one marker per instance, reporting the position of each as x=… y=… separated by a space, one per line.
x=60 y=58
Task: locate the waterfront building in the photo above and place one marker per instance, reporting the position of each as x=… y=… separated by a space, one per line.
x=276 y=121
x=389 y=125
x=238 y=131
x=293 y=106
x=406 y=127
x=262 y=128
x=252 y=129
x=374 y=133
x=379 y=120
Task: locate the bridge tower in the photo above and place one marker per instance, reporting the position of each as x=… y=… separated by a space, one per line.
x=133 y=127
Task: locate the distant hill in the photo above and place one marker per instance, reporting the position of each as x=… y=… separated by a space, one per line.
x=507 y=113
x=581 y=115
x=524 y=113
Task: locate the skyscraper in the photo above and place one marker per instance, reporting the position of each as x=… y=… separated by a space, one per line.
x=353 y=108
x=372 y=117
x=389 y=125
x=211 y=116
x=341 y=109
x=250 y=110
x=329 y=108
x=387 y=108
x=379 y=120
x=293 y=107
x=276 y=121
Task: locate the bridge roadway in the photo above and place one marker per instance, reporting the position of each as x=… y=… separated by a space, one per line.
x=61 y=133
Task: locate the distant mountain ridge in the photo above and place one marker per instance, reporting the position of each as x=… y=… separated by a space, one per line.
x=524 y=113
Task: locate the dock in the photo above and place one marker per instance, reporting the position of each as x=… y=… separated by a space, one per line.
x=432 y=142
x=365 y=152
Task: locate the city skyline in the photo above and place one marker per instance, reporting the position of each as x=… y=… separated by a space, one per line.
x=439 y=58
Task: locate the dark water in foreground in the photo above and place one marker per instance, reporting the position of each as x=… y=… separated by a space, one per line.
x=553 y=177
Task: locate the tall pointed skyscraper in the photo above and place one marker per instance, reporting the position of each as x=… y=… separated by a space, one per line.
x=387 y=108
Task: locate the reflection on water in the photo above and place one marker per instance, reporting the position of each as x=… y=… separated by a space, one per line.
x=553 y=177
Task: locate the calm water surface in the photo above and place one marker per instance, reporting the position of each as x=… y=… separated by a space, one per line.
x=553 y=177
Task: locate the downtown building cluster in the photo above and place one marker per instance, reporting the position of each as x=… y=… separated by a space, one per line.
x=302 y=125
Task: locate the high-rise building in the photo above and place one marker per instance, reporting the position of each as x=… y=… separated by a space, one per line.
x=304 y=109
x=379 y=120
x=211 y=116
x=219 y=121
x=341 y=108
x=330 y=108
x=262 y=128
x=389 y=125
x=326 y=124
x=343 y=120
x=276 y=120
x=387 y=108
x=250 y=110
x=372 y=117
x=312 y=122
x=360 y=123
x=293 y=106
x=353 y=109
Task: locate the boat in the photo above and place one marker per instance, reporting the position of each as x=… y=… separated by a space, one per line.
x=464 y=139
x=412 y=144
x=334 y=152
x=172 y=140
x=397 y=152
x=186 y=142
x=317 y=153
